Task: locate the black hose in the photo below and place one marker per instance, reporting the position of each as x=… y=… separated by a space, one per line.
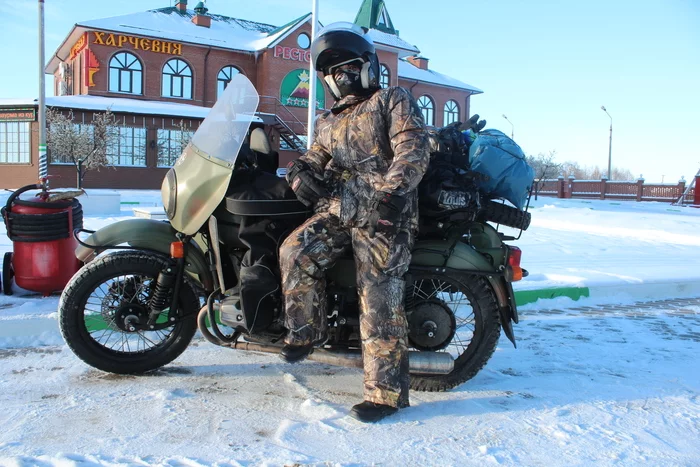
x=35 y=228
x=16 y=194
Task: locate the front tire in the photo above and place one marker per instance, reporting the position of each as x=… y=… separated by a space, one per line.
x=475 y=320
x=95 y=301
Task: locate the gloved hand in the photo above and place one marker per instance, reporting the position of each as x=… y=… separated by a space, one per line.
x=474 y=124
x=386 y=210
x=305 y=183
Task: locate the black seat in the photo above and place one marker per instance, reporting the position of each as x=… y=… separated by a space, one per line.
x=258 y=191
x=265 y=207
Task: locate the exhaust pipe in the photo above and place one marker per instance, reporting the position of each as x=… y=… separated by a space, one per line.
x=424 y=363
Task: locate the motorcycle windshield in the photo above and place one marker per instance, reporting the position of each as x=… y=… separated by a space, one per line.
x=223 y=132
x=197 y=183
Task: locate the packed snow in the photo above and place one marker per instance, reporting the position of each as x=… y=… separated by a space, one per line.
x=605 y=380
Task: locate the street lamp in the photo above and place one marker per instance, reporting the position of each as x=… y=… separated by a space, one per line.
x=610 y=147
x=512 y=128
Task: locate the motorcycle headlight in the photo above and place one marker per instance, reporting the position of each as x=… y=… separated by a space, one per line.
x=169 y=194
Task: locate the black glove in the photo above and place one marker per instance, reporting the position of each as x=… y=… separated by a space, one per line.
x=305 y=183
x=474 y=124
x=386 y=214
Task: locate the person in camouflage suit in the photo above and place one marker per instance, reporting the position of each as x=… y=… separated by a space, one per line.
x=361 y=174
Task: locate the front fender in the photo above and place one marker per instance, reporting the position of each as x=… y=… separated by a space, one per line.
x=145 y=233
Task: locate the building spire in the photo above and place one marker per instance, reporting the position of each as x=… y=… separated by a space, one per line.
x=373 y=14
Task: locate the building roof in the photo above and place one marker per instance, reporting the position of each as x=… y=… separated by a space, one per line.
x=374 y=15
x=411 y=72
x=383 y=38
x=117 y=105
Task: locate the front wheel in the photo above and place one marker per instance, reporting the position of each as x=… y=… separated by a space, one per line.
x=457 y=314
x=104 y=309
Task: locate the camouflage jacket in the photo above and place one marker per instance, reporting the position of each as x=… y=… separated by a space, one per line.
x=369 y=144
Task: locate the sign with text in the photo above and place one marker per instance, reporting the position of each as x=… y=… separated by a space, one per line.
x=79 y=46
x=17 y=115
x=138 y=43
x=295 y=90
x=291 y=53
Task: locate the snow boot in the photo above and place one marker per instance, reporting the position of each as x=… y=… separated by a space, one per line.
x=369 y=412
x=296 y=353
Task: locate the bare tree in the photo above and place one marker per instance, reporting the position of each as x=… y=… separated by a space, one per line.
x=545 y=167
x=85 y=145
x=171 y=146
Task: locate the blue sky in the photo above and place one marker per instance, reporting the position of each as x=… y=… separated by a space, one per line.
x=547 y=64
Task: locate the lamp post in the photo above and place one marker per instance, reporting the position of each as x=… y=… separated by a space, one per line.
x=512 y=128
x=610 y=146
x=312 y=79
x=43 y=162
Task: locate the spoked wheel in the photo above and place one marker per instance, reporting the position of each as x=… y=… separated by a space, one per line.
x=457 y=314
x=104 y=314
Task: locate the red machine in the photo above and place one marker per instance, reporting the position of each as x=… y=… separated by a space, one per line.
x=43 y=259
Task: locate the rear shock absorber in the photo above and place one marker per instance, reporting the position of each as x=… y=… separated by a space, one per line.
x=161 y=293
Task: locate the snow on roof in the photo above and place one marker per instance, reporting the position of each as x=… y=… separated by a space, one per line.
x=118 y=105
x=172 y=24
x=412 y=72
x=391 y=40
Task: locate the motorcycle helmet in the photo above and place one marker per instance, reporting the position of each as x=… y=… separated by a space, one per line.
x=346 y=56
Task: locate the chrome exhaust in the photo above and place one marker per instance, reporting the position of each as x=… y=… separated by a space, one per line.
x=424 y=363
x=420 y=363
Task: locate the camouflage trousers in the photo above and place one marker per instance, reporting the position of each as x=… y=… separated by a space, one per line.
x=381 y=263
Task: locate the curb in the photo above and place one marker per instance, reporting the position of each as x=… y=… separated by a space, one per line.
x=642 y=291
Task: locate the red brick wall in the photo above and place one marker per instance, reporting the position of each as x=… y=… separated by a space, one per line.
x=440 y=96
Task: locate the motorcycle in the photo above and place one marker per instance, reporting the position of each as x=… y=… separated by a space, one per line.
x=147 y=286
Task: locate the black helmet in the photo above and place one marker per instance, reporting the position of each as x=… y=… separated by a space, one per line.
x=342 y=43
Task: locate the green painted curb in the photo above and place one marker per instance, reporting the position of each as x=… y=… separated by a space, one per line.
x=130 y=202
x=524 y=297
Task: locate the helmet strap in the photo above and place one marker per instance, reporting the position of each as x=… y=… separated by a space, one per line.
x=364 y=75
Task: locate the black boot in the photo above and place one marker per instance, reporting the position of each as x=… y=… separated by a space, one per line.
x=369 y=412
x=296 y=353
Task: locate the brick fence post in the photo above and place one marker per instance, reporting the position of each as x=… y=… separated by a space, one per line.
x=560 y=186
x=603 y=186
x=681 y=187
x=640 y=188
x=696 y=199
x=569 y=187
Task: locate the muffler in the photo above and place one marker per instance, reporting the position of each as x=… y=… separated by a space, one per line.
x=420 y=363
x=424 y=363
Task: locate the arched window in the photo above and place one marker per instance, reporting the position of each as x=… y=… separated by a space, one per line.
x=427 y=108
x=125 y=73
x=384 y=77
x=451 y=112
x=177 y=79
x=225 y=76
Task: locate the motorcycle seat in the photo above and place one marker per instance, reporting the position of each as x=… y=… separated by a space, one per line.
x=265 y=208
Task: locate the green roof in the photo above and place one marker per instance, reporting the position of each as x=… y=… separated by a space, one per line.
x=373 y=14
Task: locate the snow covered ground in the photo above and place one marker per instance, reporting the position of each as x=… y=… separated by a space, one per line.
x=605 y=380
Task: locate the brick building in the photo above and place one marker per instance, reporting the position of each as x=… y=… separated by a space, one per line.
x=160 y=71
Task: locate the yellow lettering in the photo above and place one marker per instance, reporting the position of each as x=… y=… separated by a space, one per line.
x=166 y=48
x=177 y=49
x=122 y=40
x=111 y=41
x=99 y=38
x=156 y=46
x=145 y=44
x=135 y=42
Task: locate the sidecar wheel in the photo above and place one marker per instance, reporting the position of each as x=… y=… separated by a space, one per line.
x=461 y=313
x=108 y=296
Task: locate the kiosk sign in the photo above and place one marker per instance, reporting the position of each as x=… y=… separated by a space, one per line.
x=17 y=115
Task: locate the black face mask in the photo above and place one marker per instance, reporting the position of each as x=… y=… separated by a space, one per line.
x=348 y=81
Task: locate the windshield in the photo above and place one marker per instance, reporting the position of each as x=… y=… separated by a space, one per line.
x=224 y=130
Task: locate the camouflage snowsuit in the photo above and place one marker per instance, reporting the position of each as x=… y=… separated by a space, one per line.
x=364 y=145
